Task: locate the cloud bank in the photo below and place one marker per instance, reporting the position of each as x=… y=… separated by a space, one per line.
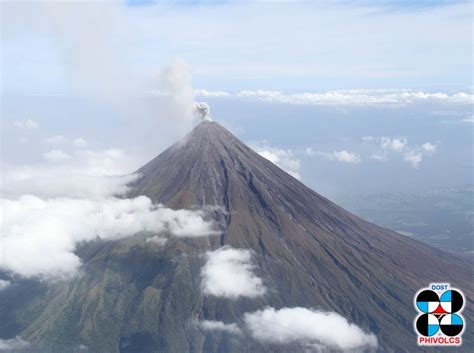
x=229 y=273
x=309 y=328
x=84 y=173
x=348 y=98
x=39 y=236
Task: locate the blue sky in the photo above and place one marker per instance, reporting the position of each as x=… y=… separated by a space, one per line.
x=242 y=45
x=347 y=94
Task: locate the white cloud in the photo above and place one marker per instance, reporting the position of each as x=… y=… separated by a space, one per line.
x=428 y=147
x=468 y=119
x=346 y=157
x=26 y=124
x=349 y=98
x=156 y=239
x=380 y=157
x=416 y=155
x=4 y=284
x=206 y=93
x=311 y=152
x=414 y=158
x=39 y=236
x=339 y=156
x=13 y=344
x=86 y=174
x=229 y=273
x=394 y=144
x=111 y=161
x=310 y=328
x=55 y=140
x=209 y=33
x=61 y=181
x=208 y=325
x=185 y=223
x=79 y=142
x=284 y=159
x=56 y=156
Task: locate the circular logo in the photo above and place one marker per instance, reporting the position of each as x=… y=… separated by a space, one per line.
x=427 y=325
x=439 y=313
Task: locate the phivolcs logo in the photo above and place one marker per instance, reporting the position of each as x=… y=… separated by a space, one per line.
x=439 y=322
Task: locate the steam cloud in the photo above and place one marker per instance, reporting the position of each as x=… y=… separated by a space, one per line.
x=97 y=60
x=178 y=97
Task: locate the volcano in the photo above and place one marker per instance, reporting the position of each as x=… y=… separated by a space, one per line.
x=139 y=296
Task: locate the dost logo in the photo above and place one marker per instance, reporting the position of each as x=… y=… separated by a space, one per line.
x=440 y=322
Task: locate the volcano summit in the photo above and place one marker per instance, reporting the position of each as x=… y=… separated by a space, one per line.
x=285 y=269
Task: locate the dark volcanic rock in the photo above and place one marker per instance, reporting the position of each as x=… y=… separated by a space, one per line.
x=139 y=297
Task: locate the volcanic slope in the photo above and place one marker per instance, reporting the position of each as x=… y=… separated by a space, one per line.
x=139 y=296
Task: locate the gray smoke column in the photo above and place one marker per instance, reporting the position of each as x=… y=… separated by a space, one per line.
x=202 y=111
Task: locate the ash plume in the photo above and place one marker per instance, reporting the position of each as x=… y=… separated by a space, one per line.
x=202 y=111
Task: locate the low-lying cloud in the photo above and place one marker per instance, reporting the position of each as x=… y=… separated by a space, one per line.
x=4 y=284
x=27 y=124
x=56 y=156
x=79 y=142
x=228 y=273
x=338 y=156
x=312 y=329
x=39 y=236
x=428 y=147
x=55 y=140
x=394 y=144
x=389 y=146
x=285 y=159
x=211 y=325
x=13 y=344
x=468 y=119
x=61 y=182
x=83 y=173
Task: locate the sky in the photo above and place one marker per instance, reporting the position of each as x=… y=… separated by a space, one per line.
x=347 y=96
